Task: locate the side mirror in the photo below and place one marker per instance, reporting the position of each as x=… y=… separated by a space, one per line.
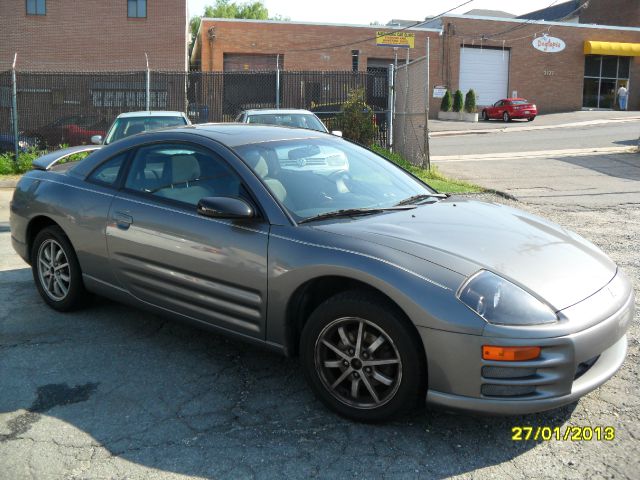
x=337 y=133
x=225 y=207
x=96 y=139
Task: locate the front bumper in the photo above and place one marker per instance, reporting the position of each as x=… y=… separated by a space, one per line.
x=569 y=366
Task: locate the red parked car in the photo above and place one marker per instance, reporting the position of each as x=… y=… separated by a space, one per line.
x=509 y=108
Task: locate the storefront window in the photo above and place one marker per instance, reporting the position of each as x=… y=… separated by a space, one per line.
x=603 y=75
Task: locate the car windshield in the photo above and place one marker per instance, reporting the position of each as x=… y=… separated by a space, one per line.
x=312 y=177
x=299 y=120
x=125 y=127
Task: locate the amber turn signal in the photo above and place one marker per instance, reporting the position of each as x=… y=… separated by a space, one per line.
x=509 y=354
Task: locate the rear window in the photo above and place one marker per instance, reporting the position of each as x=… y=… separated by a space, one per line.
x=125 y=127
x=519 y=102
x=298 y=120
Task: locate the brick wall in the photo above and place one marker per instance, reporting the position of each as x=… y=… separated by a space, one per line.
x=556 y=92
x=304 y=46
x=612 y=12
x=94 y=35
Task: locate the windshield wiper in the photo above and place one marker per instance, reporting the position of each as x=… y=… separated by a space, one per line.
x=350 y=212
x=420 y=197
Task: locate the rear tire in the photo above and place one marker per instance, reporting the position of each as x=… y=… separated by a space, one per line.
x=531 y=119
x=505 y=117
x=362 y=358
x=56 y=270
x=485 y=116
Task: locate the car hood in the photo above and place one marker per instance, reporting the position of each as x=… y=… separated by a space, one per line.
x=463 y=235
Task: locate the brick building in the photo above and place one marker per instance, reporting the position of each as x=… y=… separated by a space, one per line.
x=246 y=45
x=586 y=73
x=93 y=35
x=494 y=56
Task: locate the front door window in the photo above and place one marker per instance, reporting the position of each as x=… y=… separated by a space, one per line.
x=603 y=75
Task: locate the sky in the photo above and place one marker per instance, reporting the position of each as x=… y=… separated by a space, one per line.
x=363 y=12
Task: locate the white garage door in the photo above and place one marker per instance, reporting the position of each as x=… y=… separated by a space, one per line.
x=486 y=71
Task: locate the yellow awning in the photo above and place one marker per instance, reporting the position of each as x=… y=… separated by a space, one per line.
x=612 y=48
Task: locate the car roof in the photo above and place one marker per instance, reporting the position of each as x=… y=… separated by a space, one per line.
x=272 y=111
x=153 y=113
x=237 y=134
x=515 y=98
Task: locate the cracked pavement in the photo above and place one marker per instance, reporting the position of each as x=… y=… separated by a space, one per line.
x=111 y=392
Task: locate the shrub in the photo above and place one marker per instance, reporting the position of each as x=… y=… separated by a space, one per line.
x=470 y=102
x=445 y=106
x=457 y=101
x=9 y=167
x=356 y=118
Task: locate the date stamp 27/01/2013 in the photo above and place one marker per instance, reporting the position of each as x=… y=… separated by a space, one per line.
x=565 y=433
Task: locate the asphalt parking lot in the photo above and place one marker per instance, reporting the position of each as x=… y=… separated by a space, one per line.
x=112 y=392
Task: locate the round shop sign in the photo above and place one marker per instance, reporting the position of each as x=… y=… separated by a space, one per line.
x=548 y=44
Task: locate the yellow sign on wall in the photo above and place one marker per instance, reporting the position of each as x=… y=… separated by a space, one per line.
x=395 y=39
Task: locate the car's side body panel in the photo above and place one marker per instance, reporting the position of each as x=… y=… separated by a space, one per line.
x=79 y=208
x=214 y=271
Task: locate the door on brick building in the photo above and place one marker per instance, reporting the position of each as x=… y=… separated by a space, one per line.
x=486 y=71
x=603 y=76
x=249 y=82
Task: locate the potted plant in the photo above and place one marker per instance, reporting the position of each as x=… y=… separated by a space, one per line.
x=445 y=112
x=470 y=110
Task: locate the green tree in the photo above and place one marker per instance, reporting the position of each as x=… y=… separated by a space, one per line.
x=227 y=9
x=445 y=106
x=458 y=101
x=470 y=102
x=356 y=118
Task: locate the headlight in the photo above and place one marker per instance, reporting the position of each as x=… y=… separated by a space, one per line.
x=501 y=302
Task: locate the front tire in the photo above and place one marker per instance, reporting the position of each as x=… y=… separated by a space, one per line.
x=362 y=357
x=56 y=270
x=505 y=117
x=485 y=116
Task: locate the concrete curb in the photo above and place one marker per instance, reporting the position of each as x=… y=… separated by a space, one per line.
x=573 y=152
x=481 y=131
x=8 y=183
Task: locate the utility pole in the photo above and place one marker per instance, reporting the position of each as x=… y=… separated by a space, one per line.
x=390 y=105
x=427 y=155
x=14 y=109
x=148 y=83
x=278 y=81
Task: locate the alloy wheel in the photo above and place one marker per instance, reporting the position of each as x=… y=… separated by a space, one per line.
x=53 y=270
x=358 y=363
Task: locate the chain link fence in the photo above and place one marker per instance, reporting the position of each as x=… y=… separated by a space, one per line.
x=409 y=136
x=69 y=108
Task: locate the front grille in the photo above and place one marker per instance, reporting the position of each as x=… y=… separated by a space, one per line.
x=583 y=367
x=491 y=390
x=507 y=372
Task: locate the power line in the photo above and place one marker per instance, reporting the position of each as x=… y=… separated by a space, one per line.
x=490 y=37
x=382 y=34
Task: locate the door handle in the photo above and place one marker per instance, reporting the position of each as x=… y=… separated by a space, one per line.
x=123 y=221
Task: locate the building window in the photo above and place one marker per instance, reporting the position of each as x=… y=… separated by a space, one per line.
x=36 y=7
x=137 y=8
x=355 y=57
x=603 y=76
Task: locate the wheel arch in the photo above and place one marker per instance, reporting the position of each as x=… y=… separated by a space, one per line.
x=36 y=225
x=310 y=294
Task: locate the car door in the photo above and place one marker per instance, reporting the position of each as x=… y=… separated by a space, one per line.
x=496 y=111
x=167 y=255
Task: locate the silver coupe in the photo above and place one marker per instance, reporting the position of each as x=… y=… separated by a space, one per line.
x=390 y=293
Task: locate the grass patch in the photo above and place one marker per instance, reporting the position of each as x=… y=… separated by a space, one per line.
x=432 y=177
